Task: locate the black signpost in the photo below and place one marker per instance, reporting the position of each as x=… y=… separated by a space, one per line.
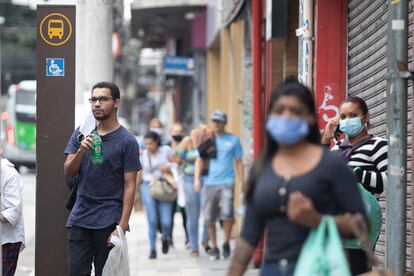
x=55 y=123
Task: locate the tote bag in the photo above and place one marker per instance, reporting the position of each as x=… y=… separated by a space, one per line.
x=160 y=188
x=373 y=210
x=322 y=253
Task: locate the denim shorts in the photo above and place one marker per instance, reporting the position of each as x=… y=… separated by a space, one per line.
x=217 y=202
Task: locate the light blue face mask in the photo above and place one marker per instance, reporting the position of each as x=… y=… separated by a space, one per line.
x=287 y=131
x=351 y=126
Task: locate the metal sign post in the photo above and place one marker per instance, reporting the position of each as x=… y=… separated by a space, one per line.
x=55 y=123
x=397 y=48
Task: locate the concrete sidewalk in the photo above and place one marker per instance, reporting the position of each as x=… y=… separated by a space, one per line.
x=178 y=261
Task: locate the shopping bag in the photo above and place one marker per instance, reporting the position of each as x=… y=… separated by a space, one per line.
x=360 y=230
x=161 y=189
x=322 y=253
x=373 y=211
x=117 y=263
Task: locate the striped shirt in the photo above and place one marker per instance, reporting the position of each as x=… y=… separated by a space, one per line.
x=372 y=158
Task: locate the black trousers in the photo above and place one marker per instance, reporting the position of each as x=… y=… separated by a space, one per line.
x=184 y=216
x=358 y=261
x=86 y=246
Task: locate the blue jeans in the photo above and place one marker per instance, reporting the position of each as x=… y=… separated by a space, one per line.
x=192 y=209
x=164 y=210
x=276 y=269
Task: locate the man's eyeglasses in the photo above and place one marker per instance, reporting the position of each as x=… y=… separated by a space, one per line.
x=102 y=99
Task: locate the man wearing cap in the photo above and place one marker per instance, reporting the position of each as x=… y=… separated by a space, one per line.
x=218 y=187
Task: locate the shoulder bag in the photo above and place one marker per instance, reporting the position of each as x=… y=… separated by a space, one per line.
x=159 y=187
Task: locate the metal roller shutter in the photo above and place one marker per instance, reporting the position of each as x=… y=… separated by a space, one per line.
x=367 y=66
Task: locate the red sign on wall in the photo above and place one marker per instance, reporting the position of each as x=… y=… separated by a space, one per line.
x=328 y=99
x=330 y=58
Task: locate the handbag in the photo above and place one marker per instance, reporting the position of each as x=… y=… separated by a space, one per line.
x=360 y=230
x=207 y=150
x=322 y=253
x=160 y=188
x=73 y=186
x=373 y=211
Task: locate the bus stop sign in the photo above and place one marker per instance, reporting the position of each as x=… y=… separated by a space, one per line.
x=55 y=123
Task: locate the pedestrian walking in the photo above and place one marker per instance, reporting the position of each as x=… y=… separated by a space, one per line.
x=105 y=191
x=188 y=153
x=156 y=164
x=294 y=181
x=366 y=154
x=177 y=135
x=154 y=125
x=11 y=216
x=218 y=188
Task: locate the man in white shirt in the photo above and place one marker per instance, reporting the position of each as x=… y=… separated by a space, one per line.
x=11 y=216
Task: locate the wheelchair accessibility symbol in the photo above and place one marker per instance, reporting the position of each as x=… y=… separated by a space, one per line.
x=55 y=67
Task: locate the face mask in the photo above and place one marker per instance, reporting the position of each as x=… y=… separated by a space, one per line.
x=351 y=127
x=156 y=130
x=287 y=131
x=177 y=138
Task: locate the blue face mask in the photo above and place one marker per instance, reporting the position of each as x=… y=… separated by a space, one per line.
x=287 y=131
x=351 y=126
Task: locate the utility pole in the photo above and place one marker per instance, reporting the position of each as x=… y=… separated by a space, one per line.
x=397 y=76
x=80 y=52
x=93 y=50
x=97 y=63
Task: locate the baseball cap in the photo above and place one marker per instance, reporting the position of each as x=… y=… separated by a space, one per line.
x=219 y=115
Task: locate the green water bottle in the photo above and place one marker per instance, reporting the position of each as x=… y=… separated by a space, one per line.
x=97 y=153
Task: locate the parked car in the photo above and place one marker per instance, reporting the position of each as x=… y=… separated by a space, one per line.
x=19 y=124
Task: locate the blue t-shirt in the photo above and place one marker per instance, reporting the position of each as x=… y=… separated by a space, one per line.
x=101 y=188
x=221 y=169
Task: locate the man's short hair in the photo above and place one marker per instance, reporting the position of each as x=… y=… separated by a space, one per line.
x=111 y=86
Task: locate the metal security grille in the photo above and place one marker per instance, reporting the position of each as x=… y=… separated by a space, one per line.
x=367 y=67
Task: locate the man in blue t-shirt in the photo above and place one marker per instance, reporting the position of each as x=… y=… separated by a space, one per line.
x=105 y=192
x=218 y=186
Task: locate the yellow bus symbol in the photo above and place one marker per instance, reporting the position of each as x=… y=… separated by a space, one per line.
x=55 y=28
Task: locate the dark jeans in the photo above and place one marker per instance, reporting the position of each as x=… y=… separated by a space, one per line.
x=10 y=252
x=277 y=269
x=184 y=216
x=86 y=246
